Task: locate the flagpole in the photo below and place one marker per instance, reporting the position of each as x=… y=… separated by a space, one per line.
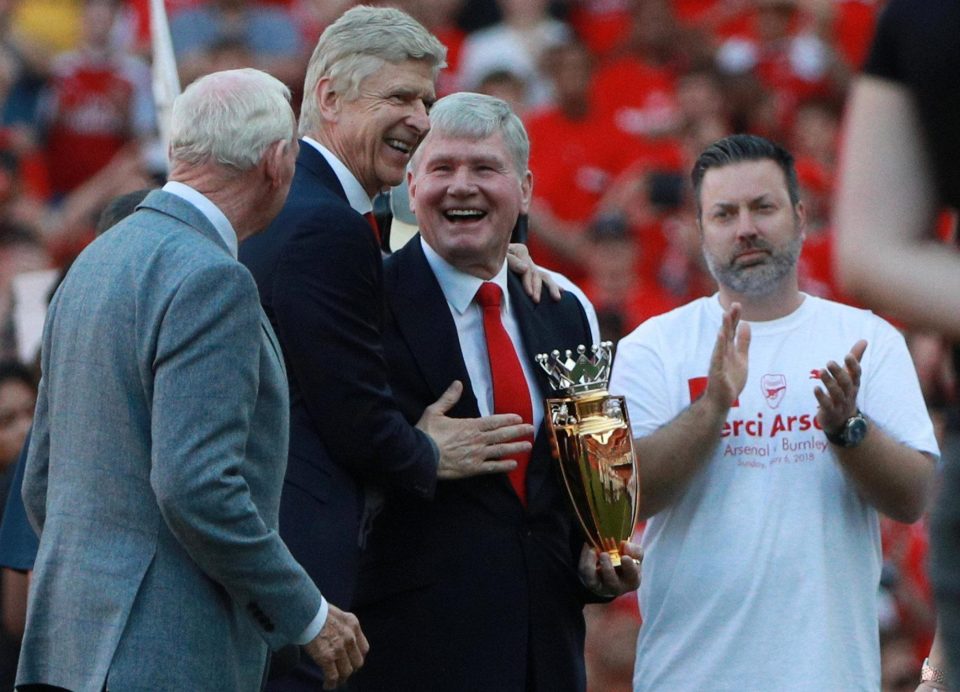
x=166 y=81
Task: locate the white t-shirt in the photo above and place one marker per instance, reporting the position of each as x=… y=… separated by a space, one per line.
x=764 y=574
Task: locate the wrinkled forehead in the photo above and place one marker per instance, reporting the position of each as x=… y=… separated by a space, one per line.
x=743 y=181
x=463 y=147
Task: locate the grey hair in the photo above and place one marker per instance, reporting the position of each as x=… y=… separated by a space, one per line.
x=478 y=116
x=357 y=45
x=744 y=147
x=230 y=117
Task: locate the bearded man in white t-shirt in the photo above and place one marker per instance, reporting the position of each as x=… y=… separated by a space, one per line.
x=772 y=427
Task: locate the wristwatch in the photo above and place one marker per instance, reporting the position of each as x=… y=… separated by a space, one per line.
x=930 y=674
x=851 y=433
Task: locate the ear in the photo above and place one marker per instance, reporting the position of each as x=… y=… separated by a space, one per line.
x=272 y=161
x=328 y=99
x=411 y=190
x=801 y=212
x=526 y=192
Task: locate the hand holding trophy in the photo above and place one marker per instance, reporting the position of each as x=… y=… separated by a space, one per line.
x=592 y=440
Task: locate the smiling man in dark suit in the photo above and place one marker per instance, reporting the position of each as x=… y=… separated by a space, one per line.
x=369 y=85
x=482 y=587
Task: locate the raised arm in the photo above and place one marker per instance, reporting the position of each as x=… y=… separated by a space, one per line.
x=671 y=456
x=893 y=477
x=885 y=204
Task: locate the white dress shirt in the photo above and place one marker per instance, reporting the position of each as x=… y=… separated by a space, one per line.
x=460 y=289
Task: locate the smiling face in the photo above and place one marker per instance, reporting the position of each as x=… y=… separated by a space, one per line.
x=752 y=234
x=375 y=133
x=467 y=195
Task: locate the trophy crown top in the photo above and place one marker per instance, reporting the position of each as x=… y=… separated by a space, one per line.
x=578 y=373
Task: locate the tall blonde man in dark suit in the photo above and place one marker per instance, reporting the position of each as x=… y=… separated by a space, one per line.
x=369 y=87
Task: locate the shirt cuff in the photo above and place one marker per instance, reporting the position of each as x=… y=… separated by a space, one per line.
x=313 y=629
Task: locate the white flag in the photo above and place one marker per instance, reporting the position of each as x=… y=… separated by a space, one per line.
x=166 y=82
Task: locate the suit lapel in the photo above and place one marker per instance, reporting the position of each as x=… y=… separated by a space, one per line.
x=536 y=332
x=423 y=317
x=312 y=161
x=539 y=336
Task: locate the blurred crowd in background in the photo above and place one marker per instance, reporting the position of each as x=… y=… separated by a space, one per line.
x=618 y=96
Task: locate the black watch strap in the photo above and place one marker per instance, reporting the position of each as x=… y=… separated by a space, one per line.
x=850 y=433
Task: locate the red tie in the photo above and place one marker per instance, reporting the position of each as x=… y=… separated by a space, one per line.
x=510 y=391
x=372 y=220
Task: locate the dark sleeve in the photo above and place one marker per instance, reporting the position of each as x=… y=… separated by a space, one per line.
x=18 y=542
x=917 y=45
x=883 y=59
x=328 y=308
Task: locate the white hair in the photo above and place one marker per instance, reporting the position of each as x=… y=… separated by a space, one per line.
x=478 y=116
x=358 y=44
x=230 y=117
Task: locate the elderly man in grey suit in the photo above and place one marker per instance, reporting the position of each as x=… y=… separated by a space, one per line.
x=161 y=429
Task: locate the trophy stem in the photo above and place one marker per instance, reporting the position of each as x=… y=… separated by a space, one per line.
x=612 y=548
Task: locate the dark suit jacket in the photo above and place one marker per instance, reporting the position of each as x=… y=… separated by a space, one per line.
x=470 y=591
x=320 y=276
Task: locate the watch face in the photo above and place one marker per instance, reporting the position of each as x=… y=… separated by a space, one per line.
x=855 y=431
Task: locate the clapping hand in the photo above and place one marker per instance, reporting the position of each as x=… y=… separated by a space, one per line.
x=728 y=364
x=840 y=384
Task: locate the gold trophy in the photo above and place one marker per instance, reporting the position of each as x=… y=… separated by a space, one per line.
x=591 y=439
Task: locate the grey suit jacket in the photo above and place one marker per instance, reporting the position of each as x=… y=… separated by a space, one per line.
x=155 y=470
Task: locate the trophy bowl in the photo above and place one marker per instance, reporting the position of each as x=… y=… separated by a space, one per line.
x=593 y=444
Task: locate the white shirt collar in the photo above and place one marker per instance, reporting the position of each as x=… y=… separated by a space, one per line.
x=210 y=210
x=458 y=287
x=357 y=197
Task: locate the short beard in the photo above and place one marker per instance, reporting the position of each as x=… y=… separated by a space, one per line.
x=758 y=279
